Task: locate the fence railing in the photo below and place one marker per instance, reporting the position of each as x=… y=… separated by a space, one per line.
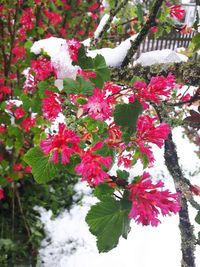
x=171 y=41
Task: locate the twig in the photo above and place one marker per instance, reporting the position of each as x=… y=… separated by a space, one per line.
x=113 y=13
x=151 y=21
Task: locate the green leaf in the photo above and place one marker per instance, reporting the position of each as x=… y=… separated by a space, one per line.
x=80 y=86
x=42 y=169
x=102 y=71
x=123 y=174
x=126 y=115
x=103 y=190
x=197 y=218
x=108 y=220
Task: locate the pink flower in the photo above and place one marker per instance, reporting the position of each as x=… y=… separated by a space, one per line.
x=157 y=88
x=54 y=17
x=27 y=123
x=17 y=167
x=91 y=166
x=177 y=11
x=42 y=68
x=19 y=112
x=51 y=105
x=147 y=132
x=86 y=75
x=154 y=29
x=2 y=128
x=4 y=90
x=1 y=193
x=64 y=142
x=149 y=200
x=19 y=52
x=27 y=19
x=98 y=106
x=113 y=88
x=73 y=46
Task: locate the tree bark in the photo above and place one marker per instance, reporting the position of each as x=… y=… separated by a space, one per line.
x=187 y=232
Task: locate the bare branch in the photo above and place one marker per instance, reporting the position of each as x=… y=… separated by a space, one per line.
x=144 y=31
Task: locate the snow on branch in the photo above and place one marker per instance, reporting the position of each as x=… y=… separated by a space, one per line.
x=142 y=34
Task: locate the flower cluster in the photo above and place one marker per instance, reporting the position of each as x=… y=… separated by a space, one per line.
x=158 y=88
x=177 y=11
x=149 y=200
x=51 y=105
x=91 y=165
x=65 y=143
x=98 y=105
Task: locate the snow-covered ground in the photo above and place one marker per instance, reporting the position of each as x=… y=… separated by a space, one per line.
x=70 y=244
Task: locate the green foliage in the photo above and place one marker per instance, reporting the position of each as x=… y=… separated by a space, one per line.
x=123 y=174
x=43 y=169
x=108 y=220
x=97 y=65
x=80 y=86
x=103 y=190
x=126 y=115
x=197 y=218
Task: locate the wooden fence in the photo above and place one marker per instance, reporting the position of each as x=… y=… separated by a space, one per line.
x=171 y=41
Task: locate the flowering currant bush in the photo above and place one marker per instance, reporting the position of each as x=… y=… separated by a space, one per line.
x=62 y=113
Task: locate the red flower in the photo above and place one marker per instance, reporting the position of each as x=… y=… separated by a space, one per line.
x=149 y=133
x=19 y=112
x=177 y=11
x=4 y=90
x=98 y=106
x=17 y=167
x=27 y=123
x=149 y=200
x=157 y=88
x=195 y=189
x=2 y=128
x=1 y=193
x=19 y=52
x=154 y=29
x=42 y=68
x=54 y=17
x=111 y=87
x=73 y=46
x=91 y=166
x=51 y=106
x=64 y=142
x=27 y=19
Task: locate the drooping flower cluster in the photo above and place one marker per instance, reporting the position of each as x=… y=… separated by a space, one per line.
x=65 y=143
x=177 y=11
x=148 y=132
x=27 y=123
x=91 y=165
x=73 y=46
x=51 y=105
x=42 y=68
x=149 y=200
x=158 y=88
x=98 y=106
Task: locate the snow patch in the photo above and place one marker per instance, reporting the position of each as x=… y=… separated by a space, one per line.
x=101 y=25
x=58 y=51
x=114 y=56
x=159 y=57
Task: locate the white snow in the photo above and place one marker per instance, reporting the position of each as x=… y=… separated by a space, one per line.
x=159 y=57
x=101 y=25
x=114 y=56
x=57 y=49
x=72 y=245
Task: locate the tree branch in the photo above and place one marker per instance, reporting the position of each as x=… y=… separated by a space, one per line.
x=113 y=13
x=144 y=31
